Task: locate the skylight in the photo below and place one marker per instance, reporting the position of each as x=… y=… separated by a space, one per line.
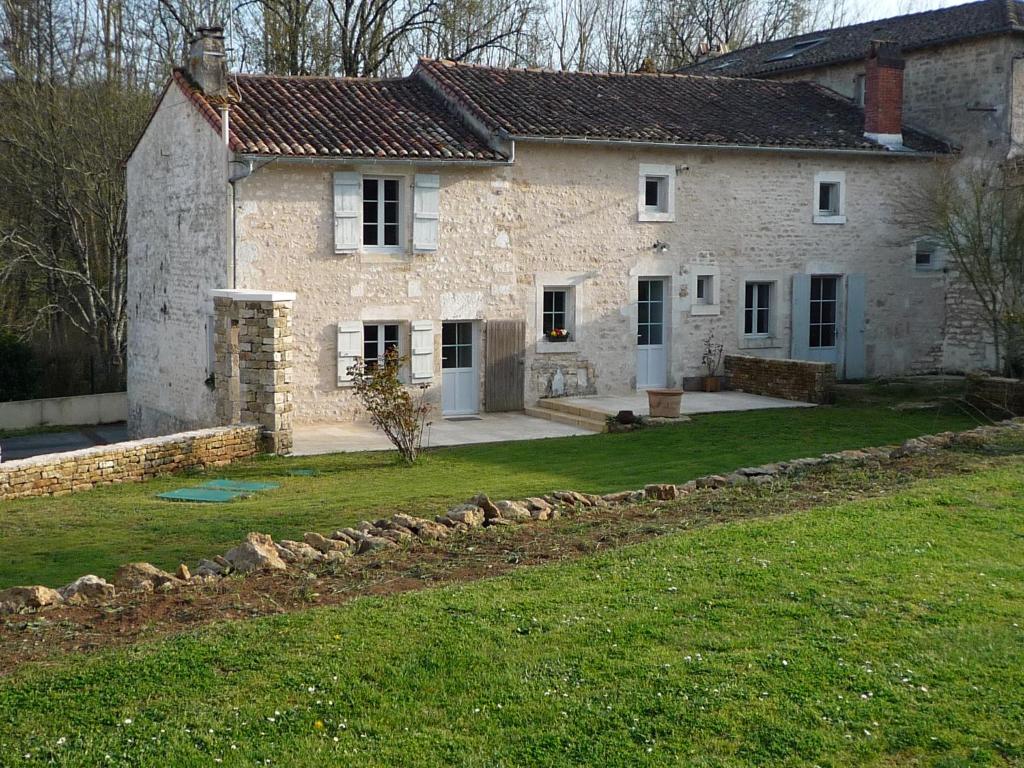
x=796 y=48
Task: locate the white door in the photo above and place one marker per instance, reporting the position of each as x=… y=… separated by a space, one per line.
x=460 y=386
x=651 y=354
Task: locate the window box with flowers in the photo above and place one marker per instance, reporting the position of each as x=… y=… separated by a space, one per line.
x=557 y=335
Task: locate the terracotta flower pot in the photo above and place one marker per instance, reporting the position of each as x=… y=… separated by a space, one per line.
x=664 y=403
x=712 y=384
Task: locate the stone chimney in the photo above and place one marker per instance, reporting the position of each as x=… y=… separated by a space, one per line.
x=207 y=64
x=883 y=94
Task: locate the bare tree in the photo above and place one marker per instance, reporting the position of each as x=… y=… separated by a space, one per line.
x=976 y=215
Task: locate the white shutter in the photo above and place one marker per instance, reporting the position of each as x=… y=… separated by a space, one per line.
x=426 y=198
x=347 y=194
x=350 y=348
x=422 y=350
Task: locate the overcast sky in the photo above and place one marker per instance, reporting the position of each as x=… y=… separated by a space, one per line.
x=883 y=9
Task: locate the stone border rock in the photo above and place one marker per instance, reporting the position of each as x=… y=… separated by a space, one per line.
x=258 y=552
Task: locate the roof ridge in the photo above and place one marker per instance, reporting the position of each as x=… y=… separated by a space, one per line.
x=591 y=73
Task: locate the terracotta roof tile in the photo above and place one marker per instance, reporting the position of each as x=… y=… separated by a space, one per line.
x=673 y=109
x=332 y=117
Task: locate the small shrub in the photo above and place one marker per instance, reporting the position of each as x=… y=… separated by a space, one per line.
x=395 y=410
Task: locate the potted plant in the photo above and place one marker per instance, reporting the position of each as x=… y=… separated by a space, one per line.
x=557 y=334
x=712 y=361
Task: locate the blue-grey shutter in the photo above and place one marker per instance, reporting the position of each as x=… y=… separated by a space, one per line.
x=347 y=194
x=855 y=300
x=426 y=205
x=350 y=349
x=800 y=318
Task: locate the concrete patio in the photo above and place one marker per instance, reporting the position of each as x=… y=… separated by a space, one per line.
x=310 y=439
x=692 y=402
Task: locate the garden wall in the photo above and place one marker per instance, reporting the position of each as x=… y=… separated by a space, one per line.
x=59 y=473
x=789 y=379
x=995 y=395
x=105 y=408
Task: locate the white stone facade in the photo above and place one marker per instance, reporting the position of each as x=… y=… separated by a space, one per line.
x=178 y=240
x=567 y=215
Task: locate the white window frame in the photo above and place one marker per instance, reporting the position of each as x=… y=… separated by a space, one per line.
x=666 y=175
x=380 y=325
x=778 y=310
x=573 y=285
x=711 y=305
x=826 y=217
x=402 y=208
x=772 y=310
x=937 y=263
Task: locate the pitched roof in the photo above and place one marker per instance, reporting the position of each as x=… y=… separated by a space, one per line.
x=913 y=31
x=339 y=117
x=673 y=109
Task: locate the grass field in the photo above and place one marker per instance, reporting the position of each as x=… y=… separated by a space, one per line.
x=52 y=541
x=884 y=632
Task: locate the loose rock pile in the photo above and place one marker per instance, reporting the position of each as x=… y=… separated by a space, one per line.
x=258 y=552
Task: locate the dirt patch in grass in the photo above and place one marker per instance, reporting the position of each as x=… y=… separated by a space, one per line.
x=482 y=553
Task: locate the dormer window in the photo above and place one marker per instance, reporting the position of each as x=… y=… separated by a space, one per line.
x=796 y=49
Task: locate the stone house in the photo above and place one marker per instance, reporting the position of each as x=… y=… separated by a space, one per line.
x=963 y=76
x=516 y=234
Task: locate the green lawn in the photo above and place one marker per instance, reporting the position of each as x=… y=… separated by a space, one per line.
x=886 y=632
x=52 y=541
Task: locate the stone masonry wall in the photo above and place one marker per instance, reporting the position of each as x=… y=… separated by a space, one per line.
x=788 y=379
x=253 y=349
x=567 y=216
x=60 y=473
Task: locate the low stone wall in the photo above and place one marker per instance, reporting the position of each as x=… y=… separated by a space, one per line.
x=105 y=408
x=995 y=395
x=59 y=473
x=789 y=379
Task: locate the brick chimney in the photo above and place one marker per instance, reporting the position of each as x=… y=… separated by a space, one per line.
x=883 y=94
x=207 y=64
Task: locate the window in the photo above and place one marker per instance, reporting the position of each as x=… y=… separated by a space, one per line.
x=556 y=311
x=796 y=48
x=457 y=345
x=824 y=303
x=757 y=305
x=829 y=198
x=927 y=257
x=381 y=212
x=650 y=312
x=705 y=289
x=378 y=340
x=656 y=200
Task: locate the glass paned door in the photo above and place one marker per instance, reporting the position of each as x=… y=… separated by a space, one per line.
x=824 y=312
x=651 y=353
x=460 y=386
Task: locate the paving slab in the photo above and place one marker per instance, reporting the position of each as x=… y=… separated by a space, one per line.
x=312 y=439
x=692 y=403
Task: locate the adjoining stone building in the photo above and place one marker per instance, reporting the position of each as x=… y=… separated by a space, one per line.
x=468 y=215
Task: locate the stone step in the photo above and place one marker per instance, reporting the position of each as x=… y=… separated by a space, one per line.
x=573 y=409
x=594 y=425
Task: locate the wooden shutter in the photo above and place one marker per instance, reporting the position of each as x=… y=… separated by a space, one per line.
x=854 y=353
x=426 y=199
x=800 y=318
x=350 y=348
x=504 y=376
x=347 y=194
x=422 y=351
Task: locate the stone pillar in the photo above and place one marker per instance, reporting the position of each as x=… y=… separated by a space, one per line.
x=253 y=343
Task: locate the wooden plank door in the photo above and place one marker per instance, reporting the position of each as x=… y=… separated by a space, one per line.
x=504 y=377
